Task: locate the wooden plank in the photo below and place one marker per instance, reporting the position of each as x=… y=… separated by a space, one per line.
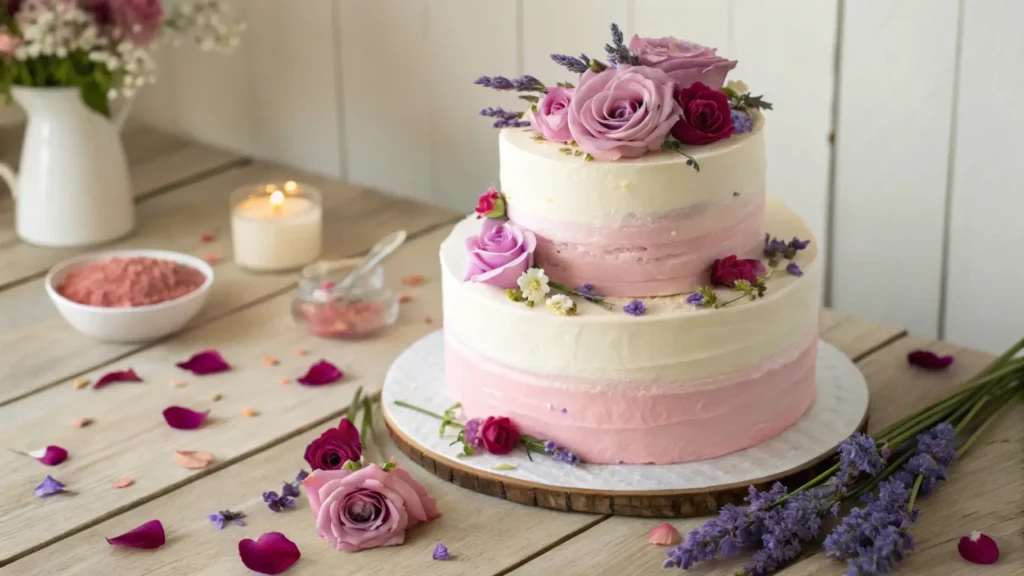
x=484 y=535
x=882 y=195
x=38 y=349
x=471 y=38
x=129 y=437
x=590 y=552
x=786 y=51
x=985 y=227
x=387 y=114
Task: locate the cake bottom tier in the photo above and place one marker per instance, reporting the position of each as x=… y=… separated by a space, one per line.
x=640 y=422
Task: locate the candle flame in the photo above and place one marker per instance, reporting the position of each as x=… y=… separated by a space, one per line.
x=276 y=199
x=291 y=186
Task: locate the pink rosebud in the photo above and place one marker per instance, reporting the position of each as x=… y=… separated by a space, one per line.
x=491 y=204
x=663 y=535
x=551 y=119
x=978 y=548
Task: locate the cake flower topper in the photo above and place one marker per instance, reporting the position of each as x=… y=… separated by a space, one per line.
x=654 y=94
x=748 y=276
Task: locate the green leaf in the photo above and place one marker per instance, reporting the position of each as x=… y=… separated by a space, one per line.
x=351 y=466
x=95 y=97
x=353 y=407
x=389 y=466
x=528 y=98
x=503 y=467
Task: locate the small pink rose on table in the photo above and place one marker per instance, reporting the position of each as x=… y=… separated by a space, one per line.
x=622 y=112
x=707 y=115
x=499 y=254
x=726 y=271
x=491 y=204
x=498 y=435
x=551 y=118
x=367 y=508
x=685 y=62
x=335 y=447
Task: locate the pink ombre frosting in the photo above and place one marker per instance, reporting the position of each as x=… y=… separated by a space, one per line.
x=641 y=421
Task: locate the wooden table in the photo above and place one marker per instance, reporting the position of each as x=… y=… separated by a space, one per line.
x=182 y=191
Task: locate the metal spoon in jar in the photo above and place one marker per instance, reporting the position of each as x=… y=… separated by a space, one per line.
x=380 y=252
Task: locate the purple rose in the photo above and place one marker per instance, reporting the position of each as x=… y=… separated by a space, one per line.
x=500 y=254
x=622 y=112
x=551 y=118
x=685 y=62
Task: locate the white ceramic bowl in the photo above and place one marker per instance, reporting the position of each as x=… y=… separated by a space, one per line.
x=136 y=324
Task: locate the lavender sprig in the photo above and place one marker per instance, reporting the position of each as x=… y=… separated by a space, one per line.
x=874 y=538
x=589 y=295
x=575 y=65
x=524 y=83
x=504 y=118
x=618 y=52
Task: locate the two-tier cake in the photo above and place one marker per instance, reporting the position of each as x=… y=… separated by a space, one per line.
x=631 y=292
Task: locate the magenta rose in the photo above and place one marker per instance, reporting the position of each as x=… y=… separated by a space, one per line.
x=498 y=435
x=367 y=508
x=685 y=62
x=707 y=116
x=138 y=20
x=551 y=119
x=728 y=270
x=335 y=447
x=622 y=112
x=490 y=204
x=500 y=254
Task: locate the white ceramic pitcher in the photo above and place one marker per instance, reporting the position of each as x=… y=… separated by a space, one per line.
x=73 y=188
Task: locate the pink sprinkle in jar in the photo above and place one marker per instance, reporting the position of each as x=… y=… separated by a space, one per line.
x=363 y=309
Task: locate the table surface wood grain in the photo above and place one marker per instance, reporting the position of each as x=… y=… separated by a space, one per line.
x=182 y=192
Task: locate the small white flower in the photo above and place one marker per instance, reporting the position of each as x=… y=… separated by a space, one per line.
x=737 y=86
x=534 y=285
x=562 y=304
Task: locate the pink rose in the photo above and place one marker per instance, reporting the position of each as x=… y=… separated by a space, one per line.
x=335 y=447
x=499 y=435
x=726 y=271
x=367 y=508
x=490 y=204
x=622 y=112
x=707 y=116
x=551 y=118
x=686 y=62
x=138 y=20
x=8 y=42
x=500 y=254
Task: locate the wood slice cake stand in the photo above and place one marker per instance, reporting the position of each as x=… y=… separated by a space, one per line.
x=688 y=489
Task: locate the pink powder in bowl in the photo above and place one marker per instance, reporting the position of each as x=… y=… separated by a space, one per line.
x=129 y=282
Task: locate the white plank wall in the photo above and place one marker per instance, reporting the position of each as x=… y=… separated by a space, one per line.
x=913 y=195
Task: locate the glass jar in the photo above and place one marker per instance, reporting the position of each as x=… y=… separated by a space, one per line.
x=362 y=309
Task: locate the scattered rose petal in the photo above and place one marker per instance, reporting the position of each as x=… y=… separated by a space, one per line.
x=283 y=381
x=441 y=552
x=205 y=362
x=179 y=383
x=404 y=299
x=181 y=418
x=122 y=482
x=148 y=536
x=128 y=375
x=663 y=535
x=565 y=410
x=270 y=361
x=50 y=456
x=81 y=422
x=428 y=320
x=216 y=397
x=323 y=372
x=503 y=467
x=412 y=279
x=272 y=553
x=206 y=238
x=301 y=352
x=249 y=412
x=212 y=258
x=81 y=383
x=192 y=460
x=978 y=548
x=929 y=360
x=49 y=486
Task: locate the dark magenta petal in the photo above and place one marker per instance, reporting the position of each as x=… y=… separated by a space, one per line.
x=51 y=455
x=128 y=375
x=205 y=362
x=150 y=535
x=929 y=360
x=978 y=548
x=323 y=372
x=272 y=553
x=184 y=419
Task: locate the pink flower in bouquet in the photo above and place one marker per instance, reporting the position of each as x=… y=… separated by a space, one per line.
x=622 y=112
x=367 y=508
x=500 y=254
x=685 y=62
x=551 y=119
x=8 y=42
x=138 y=20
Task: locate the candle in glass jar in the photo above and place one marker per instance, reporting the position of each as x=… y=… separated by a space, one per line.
x=276 y=228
